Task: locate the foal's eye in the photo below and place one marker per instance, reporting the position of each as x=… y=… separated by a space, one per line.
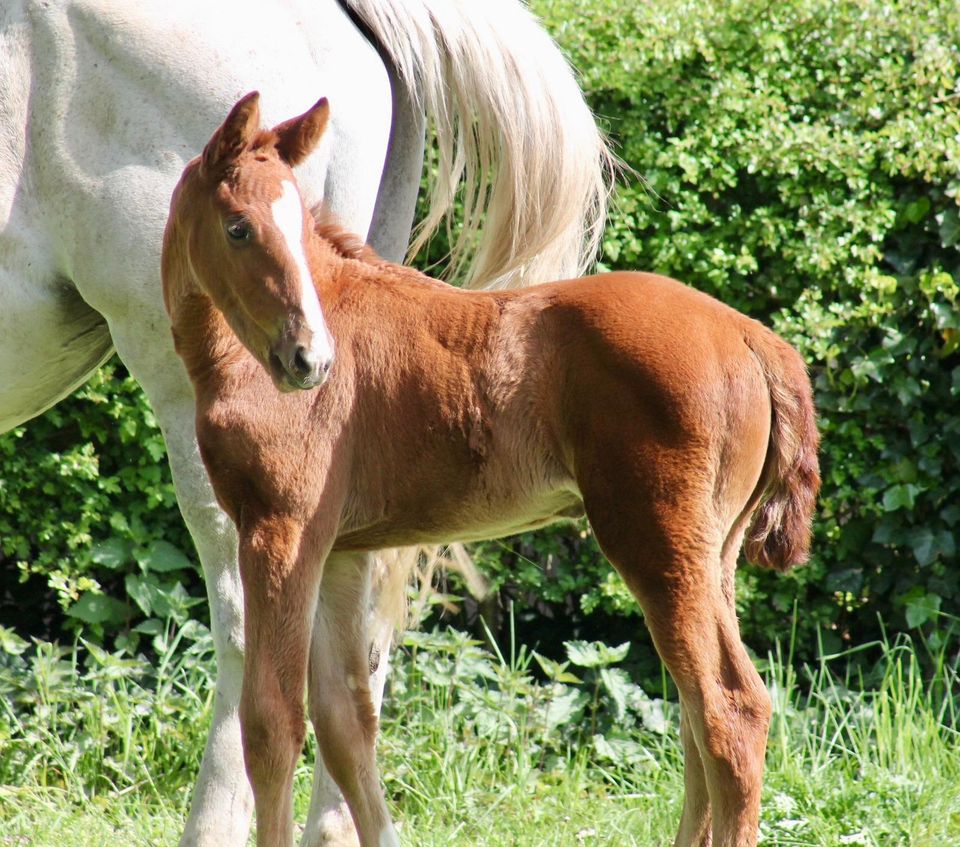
x=238 y=230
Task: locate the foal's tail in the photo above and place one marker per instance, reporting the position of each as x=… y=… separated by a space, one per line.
x=779 y=536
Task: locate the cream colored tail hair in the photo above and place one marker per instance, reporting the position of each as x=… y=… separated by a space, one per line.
x=511 y=121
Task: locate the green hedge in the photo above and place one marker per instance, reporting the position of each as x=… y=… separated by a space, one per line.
x=801 y=161
x=90 y=534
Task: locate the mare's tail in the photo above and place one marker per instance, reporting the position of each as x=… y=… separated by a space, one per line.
x=779 y=536
x=508 y=117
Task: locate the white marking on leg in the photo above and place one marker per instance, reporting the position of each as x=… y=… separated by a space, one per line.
x=287 y=213
x=351 y=682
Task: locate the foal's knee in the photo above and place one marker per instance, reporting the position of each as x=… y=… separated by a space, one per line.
x=273 y=734
x=735 y=727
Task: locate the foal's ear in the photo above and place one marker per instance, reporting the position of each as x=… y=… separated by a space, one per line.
x=297 y=137
x=231 y=139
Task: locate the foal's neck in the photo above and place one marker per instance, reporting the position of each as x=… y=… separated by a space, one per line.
x=342 y=263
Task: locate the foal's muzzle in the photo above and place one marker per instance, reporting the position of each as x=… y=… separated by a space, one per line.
x=297 y=365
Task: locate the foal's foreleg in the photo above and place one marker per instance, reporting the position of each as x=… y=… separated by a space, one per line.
x=342 y=705
x=280 y=589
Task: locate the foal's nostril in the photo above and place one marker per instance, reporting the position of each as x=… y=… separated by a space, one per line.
x=302 y=366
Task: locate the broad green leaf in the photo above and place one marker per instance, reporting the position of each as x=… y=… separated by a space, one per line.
x=555 y=671
x=899 y=497
x=98 y=609
x=113 y=553
x=922 y=609
x=11 y=643
x=923 y=544
x=617 y=684
x=164 y=557
x=595 y=654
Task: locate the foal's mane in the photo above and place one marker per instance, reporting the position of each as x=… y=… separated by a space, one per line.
x=350 y=246
x=347 y=244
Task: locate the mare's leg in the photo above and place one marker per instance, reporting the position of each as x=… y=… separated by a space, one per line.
x=665 y=541
x=222 y=802
x=343 y=707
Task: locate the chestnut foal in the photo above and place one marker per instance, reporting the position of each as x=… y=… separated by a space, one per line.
x=679 y=426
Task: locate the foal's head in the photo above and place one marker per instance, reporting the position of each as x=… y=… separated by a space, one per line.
x=238 y=215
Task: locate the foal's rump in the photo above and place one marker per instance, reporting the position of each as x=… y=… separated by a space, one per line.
x=681 y=399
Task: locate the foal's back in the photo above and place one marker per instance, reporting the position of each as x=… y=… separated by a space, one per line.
x=448 y=436
x=477 y=414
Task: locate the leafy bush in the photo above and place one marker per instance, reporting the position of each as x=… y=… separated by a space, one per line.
x=801 y=161
x=90 y=534
x=87 y=721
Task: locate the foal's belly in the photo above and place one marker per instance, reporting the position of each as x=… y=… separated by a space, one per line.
x=471 y=518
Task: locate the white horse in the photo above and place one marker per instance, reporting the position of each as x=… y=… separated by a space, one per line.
x=93 y=137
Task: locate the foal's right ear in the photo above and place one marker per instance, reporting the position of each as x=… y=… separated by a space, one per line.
x=297 y=137
x=233 y=137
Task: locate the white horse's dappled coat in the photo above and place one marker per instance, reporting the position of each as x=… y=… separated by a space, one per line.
x=103 y=101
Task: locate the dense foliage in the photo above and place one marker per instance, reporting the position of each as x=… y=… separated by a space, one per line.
x=801 y=161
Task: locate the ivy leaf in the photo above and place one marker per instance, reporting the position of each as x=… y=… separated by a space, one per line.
x=923 y=544
x=949 y=222
x=922 y=609
x=899 y=497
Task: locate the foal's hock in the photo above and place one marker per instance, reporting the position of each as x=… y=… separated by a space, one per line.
x=679 y=426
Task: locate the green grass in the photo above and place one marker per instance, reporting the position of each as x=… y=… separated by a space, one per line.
x=475 y=751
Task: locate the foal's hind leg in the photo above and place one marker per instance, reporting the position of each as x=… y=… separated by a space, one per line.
x=342 y=707
x=665 y=553
x=696 y=820
x=329 y=822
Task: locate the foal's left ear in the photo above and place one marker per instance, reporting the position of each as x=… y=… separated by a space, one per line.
x=233 y=137
x=297 y=137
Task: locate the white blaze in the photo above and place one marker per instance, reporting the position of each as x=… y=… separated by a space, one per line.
x=287 y=211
